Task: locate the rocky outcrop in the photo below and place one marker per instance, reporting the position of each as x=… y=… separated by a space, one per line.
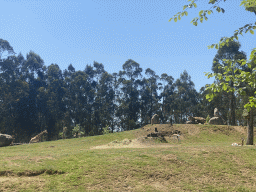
x=216 y=121
x=155 y=119
x=196 y=120
x=5 y=140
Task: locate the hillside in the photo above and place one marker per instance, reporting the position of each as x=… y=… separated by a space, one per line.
x=203 y=160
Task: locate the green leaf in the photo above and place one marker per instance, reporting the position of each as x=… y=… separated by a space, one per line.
x=227 y=79
x=184 y=7
x=175 y=19
x=195 y=5
x=224 y=87
x=170 y=19
x=251 y=31
x=249 y=65
x=209 y=12
x=227 y=40
x=216 y=46
x=182 y=14
x=206 y=18
x=186 y=13
x=179 y=17
x=200 y=12
x=223 y=11
x=243 y=63
x=201 y=19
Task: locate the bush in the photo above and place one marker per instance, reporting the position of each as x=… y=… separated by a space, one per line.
x=106 y=130
x=207 y=119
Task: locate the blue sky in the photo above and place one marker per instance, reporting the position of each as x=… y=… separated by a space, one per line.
x=113 y=31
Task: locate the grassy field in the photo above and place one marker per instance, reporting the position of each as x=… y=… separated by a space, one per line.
x=203 y=160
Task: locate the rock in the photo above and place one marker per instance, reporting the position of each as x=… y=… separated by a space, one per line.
x=216 y=121
x=155 y=119
x=5 y=140
x=196 y=120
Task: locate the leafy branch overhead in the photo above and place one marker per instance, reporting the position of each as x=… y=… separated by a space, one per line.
x=250 y=5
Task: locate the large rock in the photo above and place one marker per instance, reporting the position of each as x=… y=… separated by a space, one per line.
x=190 y=122
x=216 y=121
x=196 y=120
x=5 y=140
x=155 y=119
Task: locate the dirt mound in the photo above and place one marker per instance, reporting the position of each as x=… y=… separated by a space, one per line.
x=146 y=137
x=161 y=135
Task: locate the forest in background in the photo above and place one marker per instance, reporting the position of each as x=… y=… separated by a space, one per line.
x=35 y=97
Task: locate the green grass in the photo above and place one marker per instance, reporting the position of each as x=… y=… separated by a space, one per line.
x=204 y=160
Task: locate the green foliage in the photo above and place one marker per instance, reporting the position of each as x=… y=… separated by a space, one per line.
x=207 y=119
x=77 y=130
x=106 y=130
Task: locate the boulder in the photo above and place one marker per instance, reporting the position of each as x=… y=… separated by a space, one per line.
x=155 y=119
x=5 y=140
x=196 y=120
x=189 y=122
x=216 y=121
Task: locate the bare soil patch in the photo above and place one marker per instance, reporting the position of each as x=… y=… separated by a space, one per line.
x=142 y=141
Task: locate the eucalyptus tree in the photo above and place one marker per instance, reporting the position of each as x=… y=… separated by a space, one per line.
x=186 y=97
x=168 y=97
x=145 y=101
x=5 y=46
x=54 y=94
x=230 y=51
x=107 y=104
x=153 y=86
x=12 y=91
x=129 y=106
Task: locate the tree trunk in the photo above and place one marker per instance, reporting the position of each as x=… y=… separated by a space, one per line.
x=232 y=107
x=250 y=128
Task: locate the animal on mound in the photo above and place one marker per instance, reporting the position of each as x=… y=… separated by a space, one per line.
x=39 y=137
x=196 y=120
x=155 y=119
x=217 y=119
x=238 y=144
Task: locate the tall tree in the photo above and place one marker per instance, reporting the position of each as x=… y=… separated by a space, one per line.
x=130 y=100
x=168 y=97
x=5 y=46
x=230 y=51
x=243 y=76
x=186 y=97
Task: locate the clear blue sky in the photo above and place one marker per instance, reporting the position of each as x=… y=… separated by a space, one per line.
x=113 y=31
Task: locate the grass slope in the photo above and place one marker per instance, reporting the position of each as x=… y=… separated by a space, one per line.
x=203 y=160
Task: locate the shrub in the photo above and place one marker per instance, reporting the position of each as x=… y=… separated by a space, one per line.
x=106 y=130
x=207 y=119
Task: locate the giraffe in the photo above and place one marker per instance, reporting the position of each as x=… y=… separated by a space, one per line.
x=38 y=138
x=155 y=119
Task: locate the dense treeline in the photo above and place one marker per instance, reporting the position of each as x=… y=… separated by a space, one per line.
x=34 y=97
